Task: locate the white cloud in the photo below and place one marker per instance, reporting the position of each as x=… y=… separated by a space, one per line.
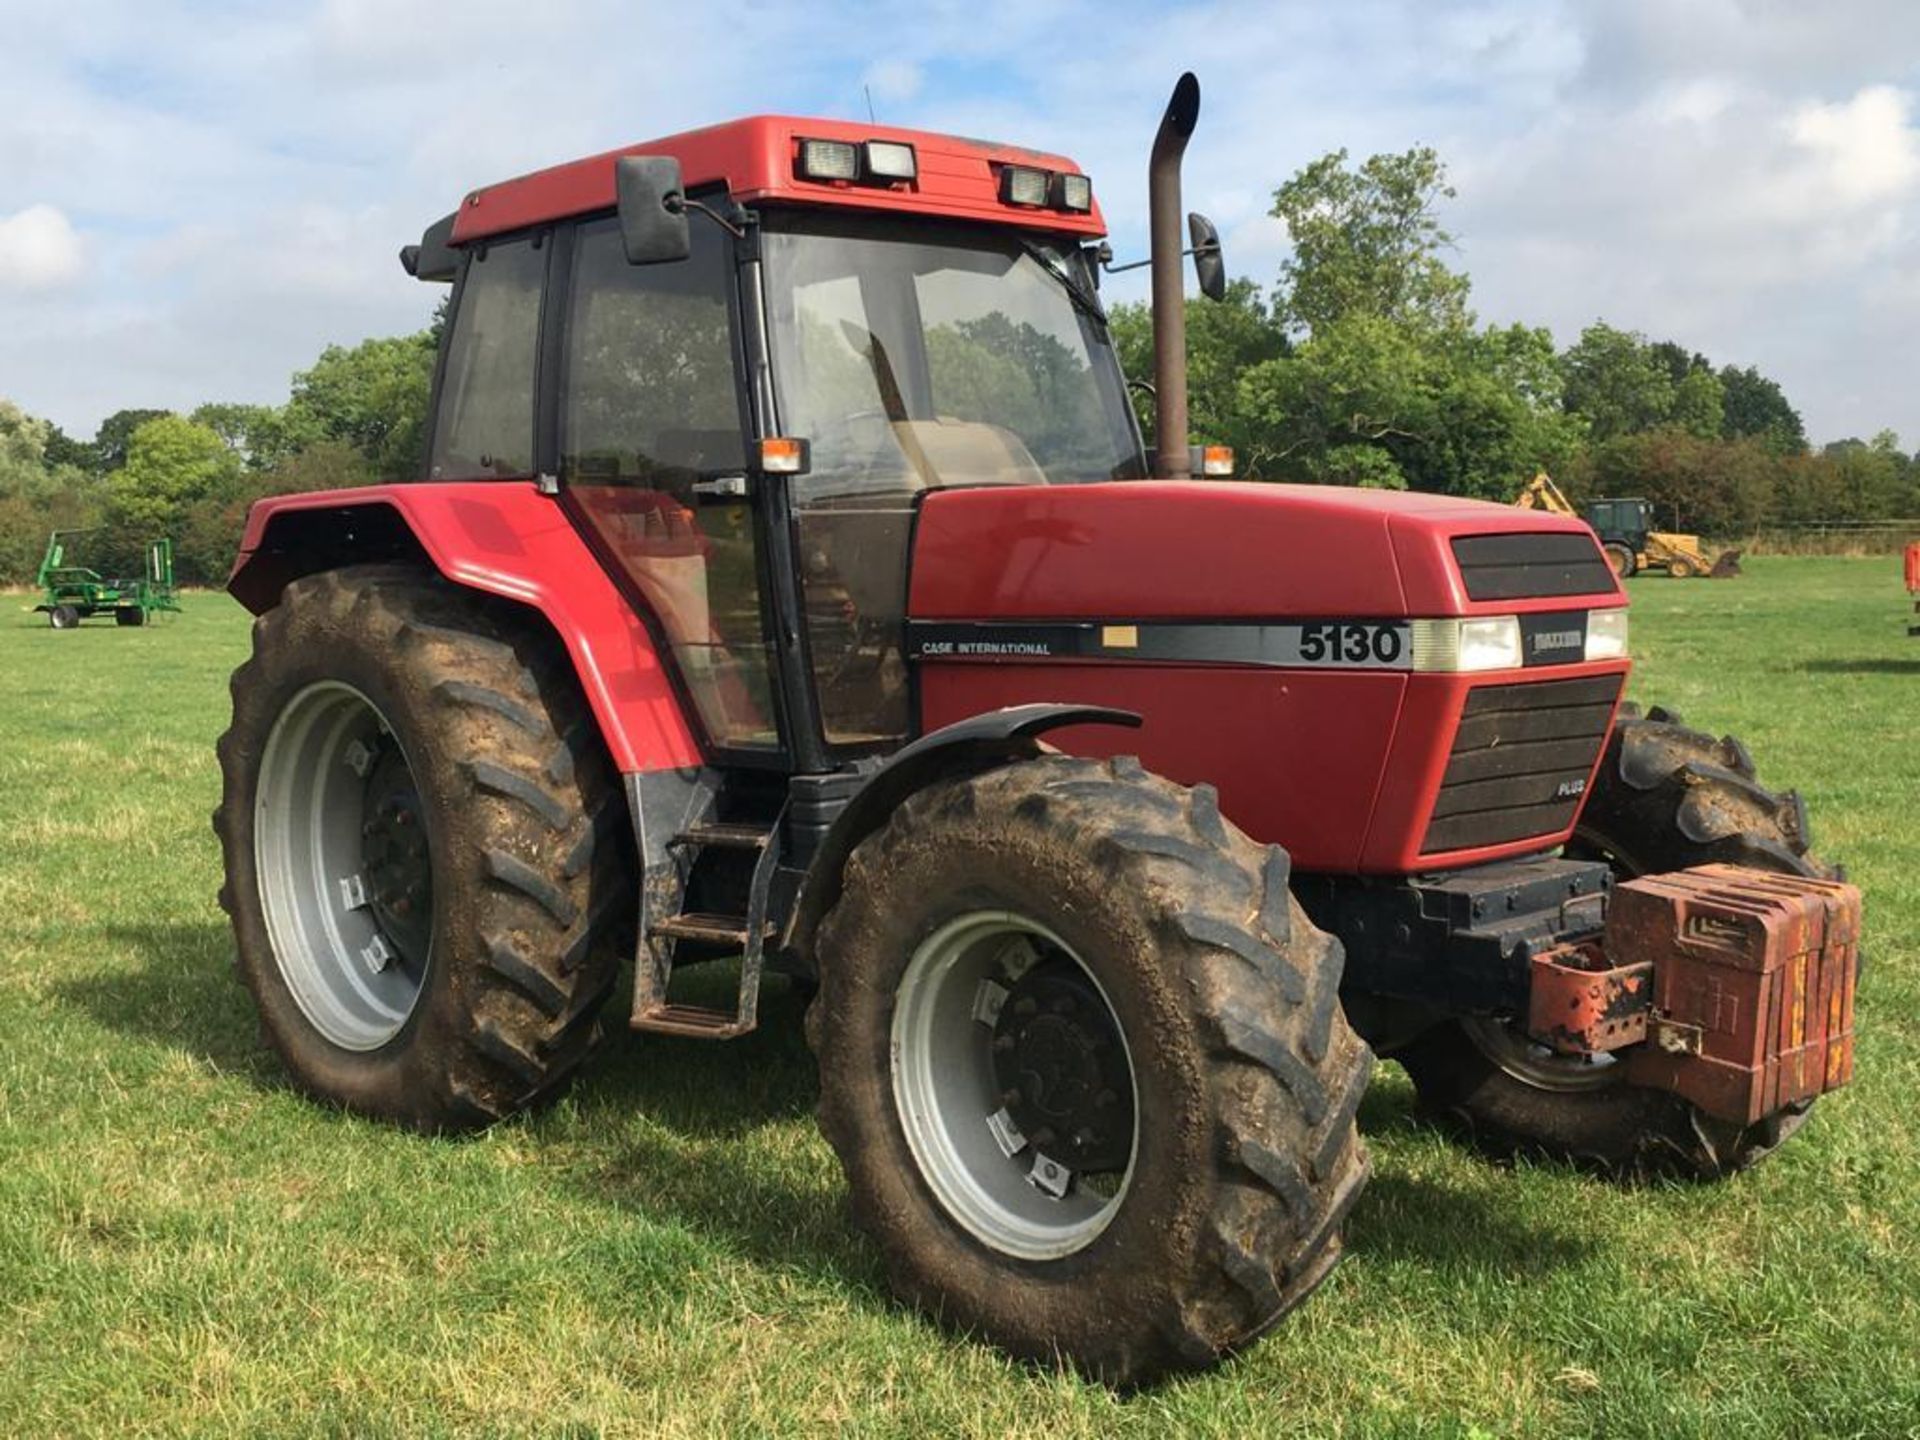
x=1740 y=175
x=39 y=250
x=1865 y=147
x=893 y=81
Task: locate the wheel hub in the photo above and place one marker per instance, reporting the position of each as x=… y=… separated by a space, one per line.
x=999 y=1027
x=394 y=856
x=1062 y=1070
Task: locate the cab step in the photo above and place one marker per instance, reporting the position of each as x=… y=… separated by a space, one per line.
x=721 y=835
x=653 y=973
x=695 y=1022
x=710 y=929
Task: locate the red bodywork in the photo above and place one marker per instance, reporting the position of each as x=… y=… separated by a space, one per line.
x=1340 y=766
x=755 y=159
x=505 y=538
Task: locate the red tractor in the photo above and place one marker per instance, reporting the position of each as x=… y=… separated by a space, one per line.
x=788 y=581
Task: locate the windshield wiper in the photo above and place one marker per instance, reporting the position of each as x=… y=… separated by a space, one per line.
x=1083 y=299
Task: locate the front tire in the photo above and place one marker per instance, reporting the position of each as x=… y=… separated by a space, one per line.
x=424 y=847
x=1666 y=798
x=63 y=617
x=1098 y=896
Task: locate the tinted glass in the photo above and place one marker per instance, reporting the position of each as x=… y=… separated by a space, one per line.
x=484 y=428
x=651 y=394
x=915 y=356
x=650 y=405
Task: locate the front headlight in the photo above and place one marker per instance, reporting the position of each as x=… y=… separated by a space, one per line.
x=1606 y=634
x=1487 y=642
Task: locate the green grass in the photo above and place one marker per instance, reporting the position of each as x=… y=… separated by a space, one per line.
x=186 y=1246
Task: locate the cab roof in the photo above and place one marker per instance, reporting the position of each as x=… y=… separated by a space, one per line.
x=757 y=159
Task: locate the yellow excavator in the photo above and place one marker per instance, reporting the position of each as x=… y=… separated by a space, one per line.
x=1625 y=528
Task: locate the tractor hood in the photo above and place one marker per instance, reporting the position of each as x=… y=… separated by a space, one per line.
x=1166 y=549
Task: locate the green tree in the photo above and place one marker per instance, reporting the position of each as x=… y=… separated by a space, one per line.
x=38 y=492
x=1367 y=242
x=23 y=445
x=1225 y=339
x=64 y=452
x=1346 y=406
x=1616 y=383
x=1871 y=479
x=207 y=532
x=1699 y=404
x=1756 y=408
x=1704 y=485
x=1392 y=384
x=260 y=436
x=372 y=397
x=115 y=435
x=171 y=463
x=1368 y=402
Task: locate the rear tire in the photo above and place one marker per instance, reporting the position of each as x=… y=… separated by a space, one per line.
x=1666 y=798
x=1622 y=559
x=1244 y=1158
x=492 y=1006
x=131 y=615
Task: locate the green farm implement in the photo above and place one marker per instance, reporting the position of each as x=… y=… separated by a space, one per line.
x=72 y=593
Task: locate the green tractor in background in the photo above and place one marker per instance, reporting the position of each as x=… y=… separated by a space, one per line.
x=72 y=593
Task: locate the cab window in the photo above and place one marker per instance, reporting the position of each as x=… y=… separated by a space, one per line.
x=484 y=428
x=650 y=410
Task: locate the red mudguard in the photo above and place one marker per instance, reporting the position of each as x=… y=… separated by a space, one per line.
x=506 y=538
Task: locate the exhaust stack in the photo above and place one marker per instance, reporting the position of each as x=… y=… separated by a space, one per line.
x=1169 y=295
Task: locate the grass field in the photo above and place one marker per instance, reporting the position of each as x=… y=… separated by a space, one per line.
x=186 y=1246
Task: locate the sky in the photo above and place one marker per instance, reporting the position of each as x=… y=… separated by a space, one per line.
x=196 y=198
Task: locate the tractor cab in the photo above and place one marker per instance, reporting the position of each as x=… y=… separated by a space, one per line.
x=744 y=419
x=1620 y=521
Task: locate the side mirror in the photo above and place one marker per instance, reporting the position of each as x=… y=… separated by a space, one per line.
x=1208 y=263
x=434 y=258
x=653 y=211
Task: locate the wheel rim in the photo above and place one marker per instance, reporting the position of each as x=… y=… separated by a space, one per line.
x=1506 y=1043
x=340 y=849
x=1508 y=1046
x=986 y=995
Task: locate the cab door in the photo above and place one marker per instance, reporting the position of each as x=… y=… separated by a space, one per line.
x=652 y=451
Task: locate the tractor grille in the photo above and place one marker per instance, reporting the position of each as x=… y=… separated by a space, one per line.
x=1519 y=567
x=1520 y=761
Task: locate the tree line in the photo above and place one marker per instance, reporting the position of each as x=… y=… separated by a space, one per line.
x=357 y=415
x=1363 y=364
